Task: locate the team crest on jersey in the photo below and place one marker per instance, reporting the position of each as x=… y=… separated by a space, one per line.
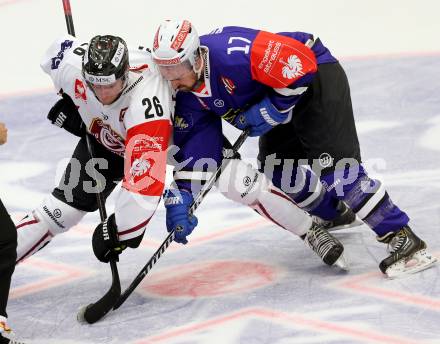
x=229 y=85
x=107 y=136
x=80 y=90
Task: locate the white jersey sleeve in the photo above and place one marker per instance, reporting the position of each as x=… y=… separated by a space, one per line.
x=62 y=61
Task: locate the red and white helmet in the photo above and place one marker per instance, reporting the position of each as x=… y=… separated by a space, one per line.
x=176 y=42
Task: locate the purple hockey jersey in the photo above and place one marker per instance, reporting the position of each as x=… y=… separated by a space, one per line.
x=242 y=66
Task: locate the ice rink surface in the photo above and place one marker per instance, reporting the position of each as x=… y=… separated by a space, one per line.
x=240 y=279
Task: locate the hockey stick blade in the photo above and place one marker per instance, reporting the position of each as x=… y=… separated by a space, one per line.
x=95 y=311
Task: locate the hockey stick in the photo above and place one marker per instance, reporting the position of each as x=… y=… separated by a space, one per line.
x=95 y=311
x=195 y=204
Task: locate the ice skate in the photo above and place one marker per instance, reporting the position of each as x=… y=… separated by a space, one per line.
x=326 y=246
x=346 y=219
x=408 y=253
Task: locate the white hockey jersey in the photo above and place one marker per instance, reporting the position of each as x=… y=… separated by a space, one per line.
x=137 y=126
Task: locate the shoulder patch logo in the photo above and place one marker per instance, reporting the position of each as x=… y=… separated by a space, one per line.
x=293 y=68
x=279 y=61
x=67 y=44
x=80 y=90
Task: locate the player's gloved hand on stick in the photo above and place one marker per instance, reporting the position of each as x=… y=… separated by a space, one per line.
x=64 y=114
x=260 y=117
x=105 y=241
x=177 y=203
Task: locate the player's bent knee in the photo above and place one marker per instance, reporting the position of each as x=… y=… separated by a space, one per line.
x=57 y=215
x=242 y=183
x=37 y=228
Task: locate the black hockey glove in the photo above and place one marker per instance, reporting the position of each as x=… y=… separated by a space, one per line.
x=64 y=114
x=105 y=241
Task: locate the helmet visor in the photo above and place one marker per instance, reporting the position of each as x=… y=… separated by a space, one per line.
x=107 y=94
x=175 y=71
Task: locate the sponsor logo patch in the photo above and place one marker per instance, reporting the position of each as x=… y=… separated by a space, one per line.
x=67 y=44
x=249 y=184
x=54 y=217
x=180 y=123
x=229 y=85
x=325 y=160
x=181 y=35
x=219 y=103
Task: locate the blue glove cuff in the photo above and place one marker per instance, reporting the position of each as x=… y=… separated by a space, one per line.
x=260 y=117
x=174 y=197
x=268 y=112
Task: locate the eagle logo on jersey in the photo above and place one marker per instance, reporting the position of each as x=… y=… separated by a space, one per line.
x=80 y=90
x=293 y=68
x=229 y=85
x=107 y=136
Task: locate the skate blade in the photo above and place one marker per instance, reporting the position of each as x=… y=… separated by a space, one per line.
x=342 y=263
x=421 y=260
x=356 y=223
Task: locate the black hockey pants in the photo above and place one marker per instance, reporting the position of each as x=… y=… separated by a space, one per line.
x=8 y=256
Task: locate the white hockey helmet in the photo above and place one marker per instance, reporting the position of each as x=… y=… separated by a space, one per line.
x=176 y=44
